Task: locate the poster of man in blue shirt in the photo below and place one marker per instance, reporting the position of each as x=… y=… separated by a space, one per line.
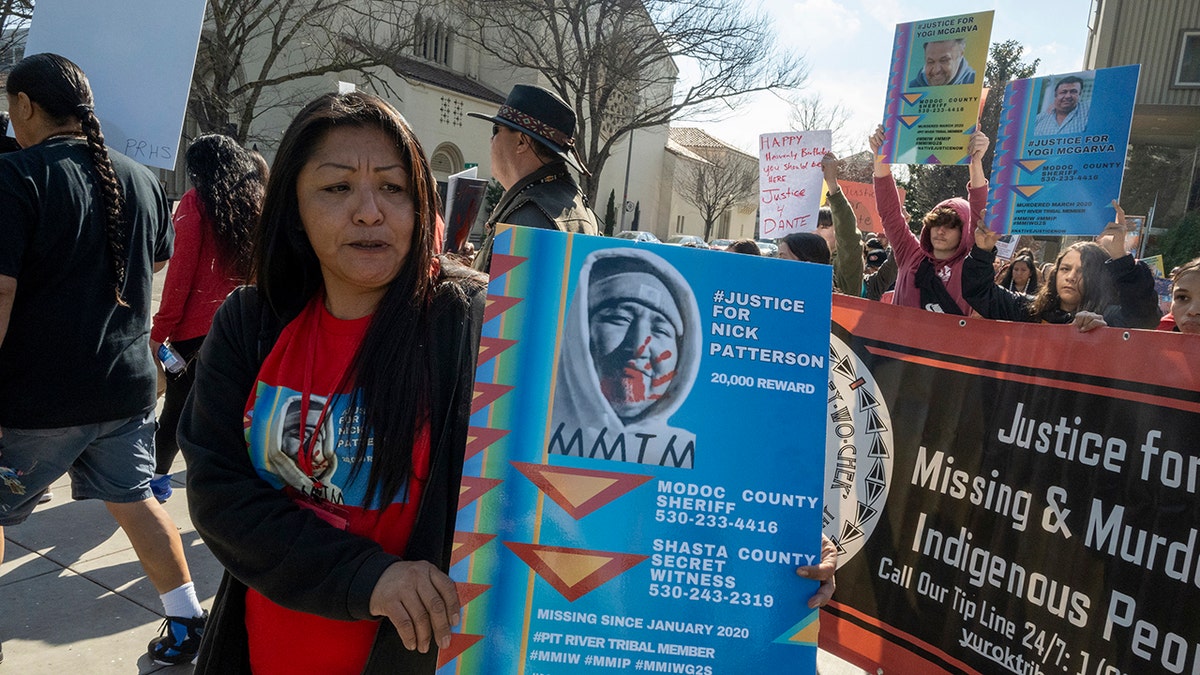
x=1068 y=113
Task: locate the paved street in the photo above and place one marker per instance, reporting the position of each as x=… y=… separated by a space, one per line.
x=74 y=597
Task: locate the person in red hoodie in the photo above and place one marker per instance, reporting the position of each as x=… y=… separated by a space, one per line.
x=929 y=268
x=213 y=224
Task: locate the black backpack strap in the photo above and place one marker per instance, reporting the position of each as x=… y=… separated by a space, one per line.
x=934 y=296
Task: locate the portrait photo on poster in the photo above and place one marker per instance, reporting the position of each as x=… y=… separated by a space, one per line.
x=1064 y=104
x=941 y=63
x=284 y=453
x=630 y=350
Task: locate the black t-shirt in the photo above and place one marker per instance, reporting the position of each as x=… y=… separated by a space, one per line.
x=72 y=355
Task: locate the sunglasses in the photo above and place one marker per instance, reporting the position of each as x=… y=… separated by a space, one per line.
x=495 y=130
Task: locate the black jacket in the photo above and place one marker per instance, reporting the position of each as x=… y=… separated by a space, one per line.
x=1136 y=303
x=285 y=552
x=548 y=199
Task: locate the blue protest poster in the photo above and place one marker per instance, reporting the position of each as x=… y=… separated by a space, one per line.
x=934 y=87
x=645 y=466
x=1060 y=152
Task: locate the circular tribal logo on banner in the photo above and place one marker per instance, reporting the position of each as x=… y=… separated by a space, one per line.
x=858 y=444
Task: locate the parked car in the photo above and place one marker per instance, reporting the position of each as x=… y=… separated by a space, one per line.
x=686 y=240
x=719 y=244
x=638 y=235
x=767 y=247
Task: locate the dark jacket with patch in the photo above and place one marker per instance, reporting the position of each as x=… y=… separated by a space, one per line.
x=548 y=198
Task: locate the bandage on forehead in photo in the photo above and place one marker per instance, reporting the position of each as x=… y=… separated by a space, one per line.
x=642 y=287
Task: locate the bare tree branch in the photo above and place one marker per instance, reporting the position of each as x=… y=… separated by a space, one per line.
x=813 y=113
x=249 y=48
x=14 y=17
x=614 y=61
x=723 y=181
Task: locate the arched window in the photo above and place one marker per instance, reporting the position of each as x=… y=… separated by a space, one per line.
x=446 y=159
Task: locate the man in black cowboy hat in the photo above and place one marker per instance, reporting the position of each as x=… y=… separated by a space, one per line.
x=533 y=141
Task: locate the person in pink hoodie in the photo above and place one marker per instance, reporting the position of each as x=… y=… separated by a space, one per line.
x=929 y=268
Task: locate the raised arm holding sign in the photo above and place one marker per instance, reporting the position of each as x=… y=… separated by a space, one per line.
x=934 y=89
x=929 y=267
x=1060 y=154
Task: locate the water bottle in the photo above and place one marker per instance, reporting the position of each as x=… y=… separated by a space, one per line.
x=170 y=359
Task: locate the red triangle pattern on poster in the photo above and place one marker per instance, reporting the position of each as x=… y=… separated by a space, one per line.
x=486 y=394
x=1027 y=190
x=574 y=572
x=474 y=487
x=466 y=543
x=497 y=305
x=459 y=643
x=468 y=592
x=1031 y=165
x=912 y=98
x=910 y=120
x=580 y=491
x=502 y=263
x=490 y=348
x=479 y=438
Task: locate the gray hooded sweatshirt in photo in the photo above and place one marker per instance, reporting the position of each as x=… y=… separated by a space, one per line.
x=631 y=348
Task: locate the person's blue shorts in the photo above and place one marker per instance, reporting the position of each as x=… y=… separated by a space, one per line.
x=109 y=461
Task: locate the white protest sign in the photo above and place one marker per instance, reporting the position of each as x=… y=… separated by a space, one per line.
x=790 y=181
x=138 y=56
x=1006 y=246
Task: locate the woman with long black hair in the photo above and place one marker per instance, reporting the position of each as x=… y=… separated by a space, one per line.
x=1091 y=285
x=326 y=428
x=213 y=224
x=1020 y=274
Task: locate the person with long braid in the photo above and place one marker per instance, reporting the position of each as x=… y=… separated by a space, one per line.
x=213 y=224
x=82 y=230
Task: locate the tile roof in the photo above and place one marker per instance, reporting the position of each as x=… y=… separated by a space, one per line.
x=676 y=148
x=693 y=138
x=439 y=77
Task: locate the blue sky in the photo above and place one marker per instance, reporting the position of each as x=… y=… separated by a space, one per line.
x=847 y=45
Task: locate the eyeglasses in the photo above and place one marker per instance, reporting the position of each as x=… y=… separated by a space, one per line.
x=495 y=130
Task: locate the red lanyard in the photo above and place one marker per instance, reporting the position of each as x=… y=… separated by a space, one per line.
x=306 y=453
